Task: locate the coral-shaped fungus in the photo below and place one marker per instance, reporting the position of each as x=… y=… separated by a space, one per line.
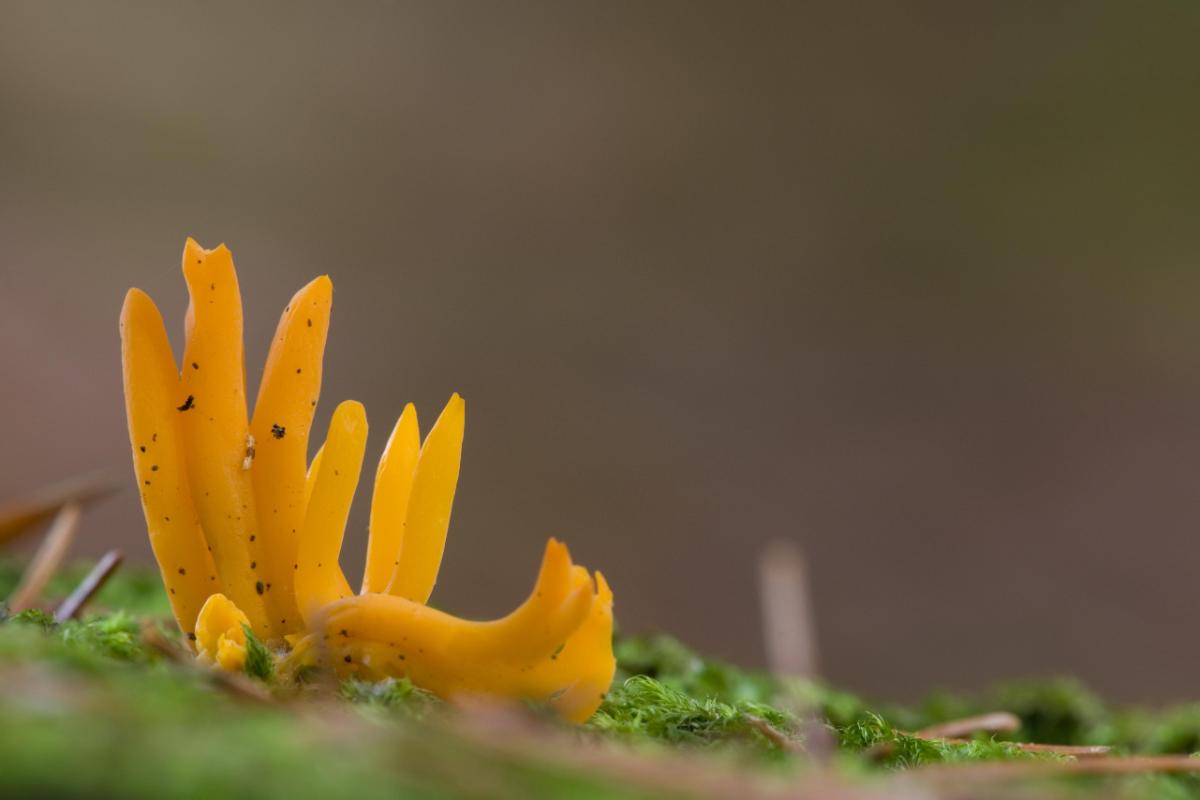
x=247 y=532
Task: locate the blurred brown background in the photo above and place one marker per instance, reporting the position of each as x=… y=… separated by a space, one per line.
x=913 y=285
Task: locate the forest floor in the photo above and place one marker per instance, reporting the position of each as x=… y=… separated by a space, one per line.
x=108 y=706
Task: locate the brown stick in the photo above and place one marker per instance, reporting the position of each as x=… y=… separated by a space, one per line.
x=772 y=734
x=789 y=633
x=958 y=731
x=787 y=610
x=1021 y=770
x=1076 y=751
x=994 y=722
x=153 y=638
x=22 y=513
x=47 y=559
x=87 y=588
x=234 y=683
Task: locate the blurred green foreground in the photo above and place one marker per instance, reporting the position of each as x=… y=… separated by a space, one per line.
x=90 y=709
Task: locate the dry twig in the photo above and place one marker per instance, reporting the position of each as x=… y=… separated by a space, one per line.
x=234 y=683
x=958 y=731
x=19 y=515
x=48 y=558
x=777 y=737
x=87 y=588
x=1075 y=751
x=1023 y=770
x=994 y=722
x=787 y=610
x=789 y=633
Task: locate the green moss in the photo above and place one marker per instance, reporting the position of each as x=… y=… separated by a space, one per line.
x=115 y=635
x=34 y=616
x=392 y=696
x=91 y=713
x=677 y=667
x=642 y=707
x=892 y=747
x=259 y=662
x=133 y=724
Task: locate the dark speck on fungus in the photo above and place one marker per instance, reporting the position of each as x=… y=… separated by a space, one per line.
x=188 y=404
x=278 y=431
x=258 y=587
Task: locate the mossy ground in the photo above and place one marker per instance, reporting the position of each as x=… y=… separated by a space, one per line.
x=88 y=709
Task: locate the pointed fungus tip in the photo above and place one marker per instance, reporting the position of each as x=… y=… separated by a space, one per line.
x=349 y=414
x=408 y=418
x=319 y=289
x=192 y=250
x=350 y=407
x=137 y=303
x=603 y=590
x=557 y=550
x=132 y=296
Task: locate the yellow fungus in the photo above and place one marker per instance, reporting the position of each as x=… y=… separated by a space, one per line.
x=151 y=388
x=283 y=414
x=314 y=467
x=319 y=578
x=389 y=501
x=220 y=637
x=212 y=415
x=427 y=518
x=216 y=481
